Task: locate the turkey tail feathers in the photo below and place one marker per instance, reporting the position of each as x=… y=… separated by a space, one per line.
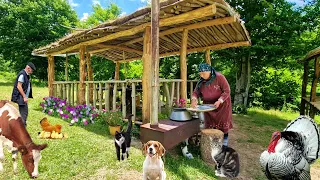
x=309 y=130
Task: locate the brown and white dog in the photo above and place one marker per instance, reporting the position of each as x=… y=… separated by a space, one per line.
x=153 y=166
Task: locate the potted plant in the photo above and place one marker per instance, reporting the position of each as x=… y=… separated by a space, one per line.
x=114 y=120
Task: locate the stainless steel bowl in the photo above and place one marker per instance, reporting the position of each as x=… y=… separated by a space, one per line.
x=180 y=114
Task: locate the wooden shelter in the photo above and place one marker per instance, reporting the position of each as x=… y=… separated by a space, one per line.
x=176 y=27
x=310 y=104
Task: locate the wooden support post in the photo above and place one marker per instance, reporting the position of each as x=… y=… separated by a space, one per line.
x=183 y=65
x=155 y=9
x=107 y=97
x=116 y=72
x=100 y=97
x=82 y=68
x=66 y=69
x=172 y=93
x=208 y=57
x=50 y=75
x=304 y=88
x=114 y=98
x=133 y=99
x=90 y=77
x=313 y=94
x=123 y=96
x=94 y=95
x=72 y=93
x=146 y=58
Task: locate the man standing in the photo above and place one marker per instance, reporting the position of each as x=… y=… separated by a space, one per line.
x=22 y=90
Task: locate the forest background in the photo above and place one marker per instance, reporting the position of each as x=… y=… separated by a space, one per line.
x=265 y=74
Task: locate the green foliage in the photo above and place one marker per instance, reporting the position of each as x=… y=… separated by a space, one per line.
x=239 y=109
x=276 y=87
x=112 y=118
x=132 y=70
x=26 y=25
x=101 y=15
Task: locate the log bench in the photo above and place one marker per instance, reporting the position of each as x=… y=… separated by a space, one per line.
x=169 y=133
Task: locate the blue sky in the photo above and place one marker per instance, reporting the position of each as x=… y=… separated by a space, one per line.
x=84 y=7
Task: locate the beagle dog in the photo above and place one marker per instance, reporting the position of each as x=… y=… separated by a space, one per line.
x=153 y=166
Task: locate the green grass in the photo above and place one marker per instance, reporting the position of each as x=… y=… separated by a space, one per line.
x=89 y=151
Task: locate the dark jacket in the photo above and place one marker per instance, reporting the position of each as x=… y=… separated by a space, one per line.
x=16 y=96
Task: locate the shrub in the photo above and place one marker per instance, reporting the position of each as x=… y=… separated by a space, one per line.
x=112 y=118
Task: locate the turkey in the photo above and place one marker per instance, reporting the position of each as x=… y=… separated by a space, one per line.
x=291 y=151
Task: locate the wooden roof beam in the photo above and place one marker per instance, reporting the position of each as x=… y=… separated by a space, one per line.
x=214 y=22
x=200 y=49
x=106 y=47
x=189 y=16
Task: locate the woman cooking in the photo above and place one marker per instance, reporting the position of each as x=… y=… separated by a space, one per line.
x=213 y=88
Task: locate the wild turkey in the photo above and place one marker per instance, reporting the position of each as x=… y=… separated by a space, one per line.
x=291 y=151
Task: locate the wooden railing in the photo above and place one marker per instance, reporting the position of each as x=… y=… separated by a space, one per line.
x=113 y=94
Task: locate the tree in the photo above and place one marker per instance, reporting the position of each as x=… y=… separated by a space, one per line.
x=27 y=24
x=274 y=28
x=101 y=15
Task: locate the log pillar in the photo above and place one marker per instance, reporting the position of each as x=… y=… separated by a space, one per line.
x=183 y=65
x=208 y=57
x=116 y=72
x=90 y=76
x=51 y=75
x=146 y=59
x=82 y=68
x=155 y=9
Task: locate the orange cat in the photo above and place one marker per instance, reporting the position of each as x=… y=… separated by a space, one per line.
x=49 y=128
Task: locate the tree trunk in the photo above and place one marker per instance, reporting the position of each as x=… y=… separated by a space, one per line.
x=243 y=78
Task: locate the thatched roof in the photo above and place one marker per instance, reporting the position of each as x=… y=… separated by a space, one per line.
x=311 y=54
x=211 y=24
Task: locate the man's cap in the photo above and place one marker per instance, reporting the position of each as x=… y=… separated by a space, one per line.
x=33 y=67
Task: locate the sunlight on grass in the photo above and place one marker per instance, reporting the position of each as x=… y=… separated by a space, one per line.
x=89 y=151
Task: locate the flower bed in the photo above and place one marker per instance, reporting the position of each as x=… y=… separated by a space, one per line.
x=80 y=115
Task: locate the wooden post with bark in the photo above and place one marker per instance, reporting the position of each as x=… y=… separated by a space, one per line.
x=90 y=77
x=82 y=68
x=208 y=57
x=116 y=72
x=183 y=65
x=51 y=75
x=146 y=58
x=155 y=9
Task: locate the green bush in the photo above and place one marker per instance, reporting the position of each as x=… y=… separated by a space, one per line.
x=276 y=88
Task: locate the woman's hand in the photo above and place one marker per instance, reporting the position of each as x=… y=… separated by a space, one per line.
x=194 y=103
x=217 y=104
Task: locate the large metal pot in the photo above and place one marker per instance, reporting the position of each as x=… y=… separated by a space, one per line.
x=180 y=114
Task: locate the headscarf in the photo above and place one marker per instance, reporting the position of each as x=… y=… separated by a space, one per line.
x=204 y=67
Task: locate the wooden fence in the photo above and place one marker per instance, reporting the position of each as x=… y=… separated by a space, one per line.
x=124 y=94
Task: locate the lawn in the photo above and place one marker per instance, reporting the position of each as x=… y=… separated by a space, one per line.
x=89 y=151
